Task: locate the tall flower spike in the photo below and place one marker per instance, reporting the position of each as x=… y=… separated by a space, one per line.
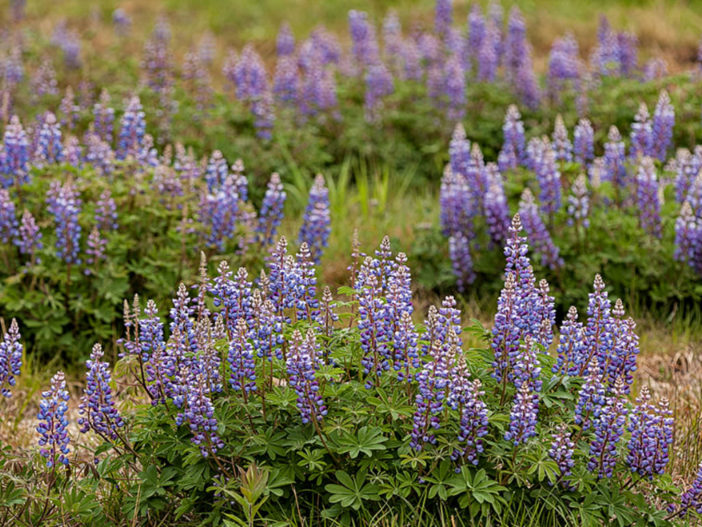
x=614 y=159
x=608 y=427
x=562 y=146
x=307 y=306
x=271 y=213
x=641 y=134
x=14 y=164
x=687 y=240
x=316 y=223
x=537 y=232
x=691 y=499
x=525 y=408
x=132 y=129
x=8 y=220
x=241 y=360
x=53 y=423
x=647 y=197
x=651 y=430
x=64 y=204
x=29 y=241
x=97 y=406
x=495 y=204
x=10 y=358
x=583 y=142
x=571 y=347
x=198 y=411
x=579 y=203
x=302 y=365
x=663 y=122
x=561 y=450
x=513 y=130
x=591 y=397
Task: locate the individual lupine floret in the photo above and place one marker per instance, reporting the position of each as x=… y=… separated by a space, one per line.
x=465 y=396
x=583 y=142
x=549 y=178
x=591 y=397
x=687 y=235
x=106 y=212
x=513 y=131
x=53 y=423
x=641 y=134
x=561 y=451
x=614 y=159
x=10 y=358
x=579 y=203
x=379 y=84
x=561 y=144
x=495 y=205
x=97 y=406
x=242 y=375
x=537 y=233
x=132 y=129
x=651 y=430
x=608 y=427
x=316 y=223
x=15 y=161
x=647 y=197
x=64 y=204
x=49 y=148
x=662 y=128
x=301 y=366
x=29 y=240
x=271 y=213
x=432 y=379
x=8 y=219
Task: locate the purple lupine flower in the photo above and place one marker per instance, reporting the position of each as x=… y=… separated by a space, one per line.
x=301 y=366
x=106 y=212
x=217 y=170
x=495 y=204
x=599 y=329
x=316 y=223
x=307 y=306
x=218 y=214
x=73 y=152
x=379 y=84
x=198 y=411
x=641 y=134
x=513 y=131
x=157 y=63
x=691 y=499
x=328 y=316
x=621 y=364
x=537 y=233
x=122 y=21
x=488 y=56
x=10 y=358
x=232 y=296
x=97 y=406
x=432 y=379
x=525 y=409
x=282 y=277
x=8 y=219
x=571 y=345
x=15 y=161
x=103 y=117
x=392 y=41
x=49 y=147
x=651 y=430
x=456 y=44
x=197 y=79
x=262 y=111
x=516 y=46
x=561 y=144
x=526 y=85
x=461 y=260
x=465 y=396
x=132 y=129
x=563 y=64
x=561 y=450
x=286 y=80
x=606 y=57
x=29 y=240
x=647 y=199
x=628 y=52
x=608 y=426
x=53 y=423
x=96 y=249
x=663 y=122
x=443 y=16
x=44 y=80
x=99 y=154
x=507 y=158
x=687 y=239
x=476 y=30
x=591 y=397
x=583 y=142
x=549 y=178
x=459 y=151
x=69 y=109
x=458 y=207
x=240 y=357
x=285 y=42
x=372 y=322
x=364 y=42
x=271 y=213
x=64 y=204
x=454 y=88
x=615 y=159
x=13 y=69
x=579 y=203
x=267 y=331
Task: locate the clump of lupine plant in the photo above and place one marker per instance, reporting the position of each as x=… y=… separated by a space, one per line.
x=210 y=399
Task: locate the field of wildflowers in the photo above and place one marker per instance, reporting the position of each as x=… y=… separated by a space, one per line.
x=383 y=271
